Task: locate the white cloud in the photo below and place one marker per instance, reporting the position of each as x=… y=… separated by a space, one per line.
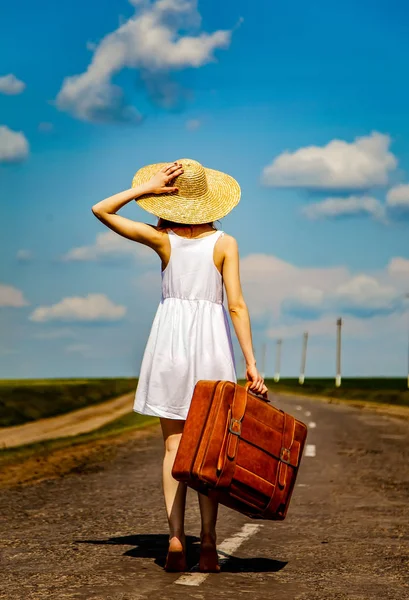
x=193 y=124
x=24 y=255
x=398 y=197
x=310 y=297
x=268 y=282
x=365 y=293
x=333 y=208
x=11 y=296
x=54 y=334
x=11 y=85
x=380 y=327
x=325 y=326
x=399 y=266
x=91 y=308
x=13 y=145
x=111 y=246
x=285 y=300
x=339 y=165
x=281 y=290
x=361 y=295
x=154 y=41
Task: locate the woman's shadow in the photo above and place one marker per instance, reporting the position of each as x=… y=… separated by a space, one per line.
x=155 y=545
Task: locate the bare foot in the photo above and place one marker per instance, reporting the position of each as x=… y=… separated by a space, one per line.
x=209 y=560
x=176 y=557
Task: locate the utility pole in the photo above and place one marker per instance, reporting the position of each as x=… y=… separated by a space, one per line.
x=278 y=360
x=407 y=298
x=263 y=360
x=338 y=373
x=408 y=361
x=303 y=358
x=243 y=367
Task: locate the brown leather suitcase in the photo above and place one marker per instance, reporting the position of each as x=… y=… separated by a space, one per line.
x=241 y=449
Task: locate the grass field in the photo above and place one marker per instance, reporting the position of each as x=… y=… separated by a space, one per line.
x=387 y=390
x=57 y=457
x=25 y=400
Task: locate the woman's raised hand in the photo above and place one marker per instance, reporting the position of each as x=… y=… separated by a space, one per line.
x=257 y=382
x=159 y=183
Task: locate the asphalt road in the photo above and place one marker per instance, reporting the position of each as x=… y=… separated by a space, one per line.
x=101 y=534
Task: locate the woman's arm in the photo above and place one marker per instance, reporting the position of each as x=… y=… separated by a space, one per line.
x=105 y=210
x=239 y=312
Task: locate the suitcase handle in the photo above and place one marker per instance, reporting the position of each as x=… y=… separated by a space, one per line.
x=263 y=396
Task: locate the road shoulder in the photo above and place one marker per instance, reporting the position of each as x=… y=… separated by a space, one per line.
x=380 y=408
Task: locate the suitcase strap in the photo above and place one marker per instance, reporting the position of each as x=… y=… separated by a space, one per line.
x=231 y=442
x=284 y=465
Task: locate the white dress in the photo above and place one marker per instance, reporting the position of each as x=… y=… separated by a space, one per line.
x=190 y=336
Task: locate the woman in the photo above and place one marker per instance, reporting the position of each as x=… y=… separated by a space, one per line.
x=190 y=336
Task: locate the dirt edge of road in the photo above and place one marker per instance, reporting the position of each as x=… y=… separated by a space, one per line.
x=82 y=457
x=390 y=410
x=76 y=422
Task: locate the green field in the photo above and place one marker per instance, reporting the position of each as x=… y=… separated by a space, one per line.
x=387 y=390
x=24 y=400
x=27 y=400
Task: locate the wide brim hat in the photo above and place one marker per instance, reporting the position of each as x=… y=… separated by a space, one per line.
x=204 y=195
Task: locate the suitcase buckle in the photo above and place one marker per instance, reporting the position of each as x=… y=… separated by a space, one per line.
x=233 y=421
x=285 y=456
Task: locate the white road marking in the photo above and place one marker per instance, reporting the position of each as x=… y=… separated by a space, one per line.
x=225 y=549
x=310 y=450
x=192 y=578
x=298 y=407
x=307 y=413
x=312 y=425
x=374 y=421
x=302 y=485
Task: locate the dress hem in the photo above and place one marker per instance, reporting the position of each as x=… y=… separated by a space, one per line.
x=156 y=414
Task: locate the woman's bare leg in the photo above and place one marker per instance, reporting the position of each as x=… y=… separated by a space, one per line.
x=208 y=513
x=208 y=553
x=174 y=491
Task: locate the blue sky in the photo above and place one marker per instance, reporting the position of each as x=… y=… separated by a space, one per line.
x=304 y=103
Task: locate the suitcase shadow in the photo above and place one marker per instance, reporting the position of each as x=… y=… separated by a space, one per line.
x=233 y=564
x=155 y=545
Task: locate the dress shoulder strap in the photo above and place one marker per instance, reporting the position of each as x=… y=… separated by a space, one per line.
x=217 y=235
x=209 y=241
x=175 y=239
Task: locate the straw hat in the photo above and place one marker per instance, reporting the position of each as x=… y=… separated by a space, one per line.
x=203 y=195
